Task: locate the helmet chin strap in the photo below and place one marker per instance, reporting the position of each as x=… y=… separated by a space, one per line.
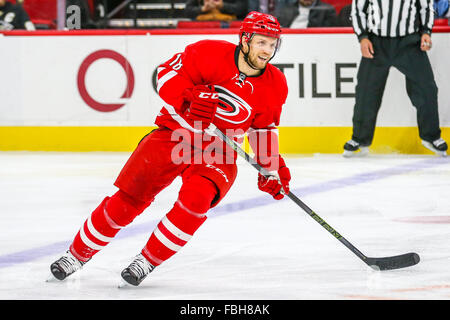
x=247 y=60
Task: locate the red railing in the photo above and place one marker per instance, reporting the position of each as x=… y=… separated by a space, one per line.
x=120 y=32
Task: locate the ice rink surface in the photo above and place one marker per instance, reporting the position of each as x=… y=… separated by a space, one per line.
x=251 y=246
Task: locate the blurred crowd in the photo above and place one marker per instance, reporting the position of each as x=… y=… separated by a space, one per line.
x=41 y=14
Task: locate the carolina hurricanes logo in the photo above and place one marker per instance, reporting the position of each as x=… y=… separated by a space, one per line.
x=232 y=108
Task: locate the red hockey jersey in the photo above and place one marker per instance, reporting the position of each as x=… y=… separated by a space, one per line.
x=250 y=104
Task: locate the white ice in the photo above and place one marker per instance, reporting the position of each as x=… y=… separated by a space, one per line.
x=251 y=247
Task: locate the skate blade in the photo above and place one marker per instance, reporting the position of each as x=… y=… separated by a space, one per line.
x=123 y=284
x=362 y=152
x=51 y=278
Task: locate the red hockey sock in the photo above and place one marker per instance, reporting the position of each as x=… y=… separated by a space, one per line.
x=104 y=223
x=180 y=224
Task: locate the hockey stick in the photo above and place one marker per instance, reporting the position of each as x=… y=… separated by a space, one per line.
x=384 y=263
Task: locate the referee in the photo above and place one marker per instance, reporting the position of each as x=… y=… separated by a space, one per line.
x=394 y=33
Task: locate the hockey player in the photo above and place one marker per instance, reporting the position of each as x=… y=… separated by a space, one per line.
x=232 y=86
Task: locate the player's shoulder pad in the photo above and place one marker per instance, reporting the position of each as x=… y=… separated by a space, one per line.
x=276 y=73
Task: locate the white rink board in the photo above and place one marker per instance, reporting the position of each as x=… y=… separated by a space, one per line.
x=39 y=79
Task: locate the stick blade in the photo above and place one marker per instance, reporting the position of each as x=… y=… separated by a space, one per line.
x=394 y=262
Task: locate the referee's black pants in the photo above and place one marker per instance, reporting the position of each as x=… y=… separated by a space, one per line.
x=404 y=54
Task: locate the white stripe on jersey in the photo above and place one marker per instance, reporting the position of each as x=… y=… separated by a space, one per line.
x=161 y=81
x=412 y=20
x=181 y=121
x=384 y=18
x=394 y=22
x=404 y=16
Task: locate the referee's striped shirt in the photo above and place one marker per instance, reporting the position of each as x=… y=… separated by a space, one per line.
x=392 y=18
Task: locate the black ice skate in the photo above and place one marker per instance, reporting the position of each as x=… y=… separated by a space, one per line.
x=65 y=266
x=353 y=148
x=137 y=270
x=438 y=146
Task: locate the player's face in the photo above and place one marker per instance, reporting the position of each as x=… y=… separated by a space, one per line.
x=261 y=49
x=2 y=2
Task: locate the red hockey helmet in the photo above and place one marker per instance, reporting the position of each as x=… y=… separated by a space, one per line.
x=260 y=23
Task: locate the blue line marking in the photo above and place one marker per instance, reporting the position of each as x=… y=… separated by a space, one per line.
x=251 y=203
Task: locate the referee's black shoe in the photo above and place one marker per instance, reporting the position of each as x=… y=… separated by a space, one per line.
x=438 y=146
x=352 y=148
